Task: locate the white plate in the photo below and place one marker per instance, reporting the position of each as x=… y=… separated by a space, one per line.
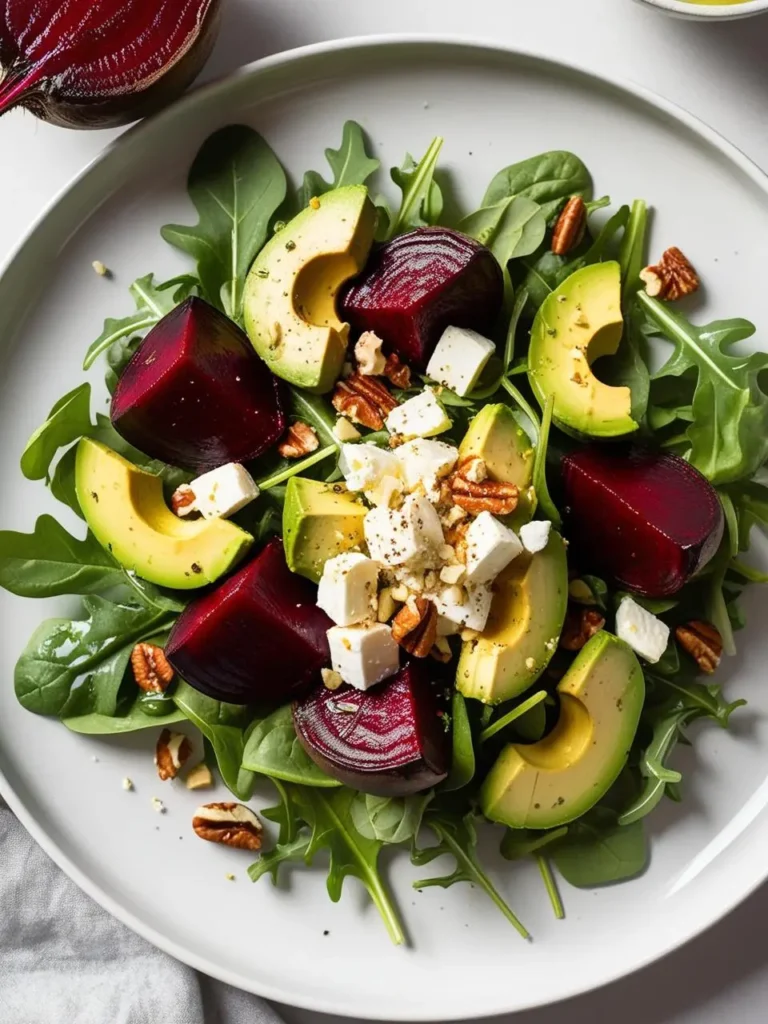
x=494 y=107
x=701 y=12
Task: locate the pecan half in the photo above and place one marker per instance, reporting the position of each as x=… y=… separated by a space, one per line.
x=570 y=227
x=151 y=668
x=299 y=440
x=172 y=752
x=363 y=400
x=415 y=626
x=580 y=625
x=481 y=495
x=672 y=277
x=183 y=500
x=397 y=372
x=228 y=823
x=703 y=642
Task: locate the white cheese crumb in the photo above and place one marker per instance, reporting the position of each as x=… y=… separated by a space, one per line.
x=372 y=470
x=491 y=546
x=424 y=463
x=127 y=784
x=460 y=357
x=368 y=355
x=535 y=535
x=101 y=268
x=466 y=607
x=646 y=635
x=420 y=416
x=223 y=491
x=158 y=805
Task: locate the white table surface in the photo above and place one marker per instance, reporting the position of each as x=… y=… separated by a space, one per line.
x=716 y=71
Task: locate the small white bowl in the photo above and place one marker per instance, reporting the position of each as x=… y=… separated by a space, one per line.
x=702 y=12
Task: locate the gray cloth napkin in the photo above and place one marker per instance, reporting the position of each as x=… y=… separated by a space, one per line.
x=64 y=960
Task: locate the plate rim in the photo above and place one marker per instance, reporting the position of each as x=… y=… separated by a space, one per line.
x=472 y=45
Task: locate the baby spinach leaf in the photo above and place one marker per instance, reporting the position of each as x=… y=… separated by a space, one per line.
x=236 y=184
x=315 y=410
x=519 y=843
x=273 y=749
x=463 y=751
x=597 y=850
x=67 y=421
x=457 y=837
x=51 y=561
x=389 y=819
x=512 y=227
x=729 y=433
x=422 y=201
x=548 y=179
x=350 y=164
x=131 y=718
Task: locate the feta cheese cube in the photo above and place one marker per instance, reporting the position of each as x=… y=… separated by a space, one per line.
x=425 y=462
x=343 y=430
x=459 y=359
x=491 y=546
x=644 y=633
x=223 y=491
x=363 y=655
x=420 y=416
x=535 y=535
x=347 y=590
x=465 y=607
x=409 y=536
x=374 y=471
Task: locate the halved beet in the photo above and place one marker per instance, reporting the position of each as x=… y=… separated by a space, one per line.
x=390 y=740
x=416 y=285
x=196 y=395
x=258 y=636
x=647 y=519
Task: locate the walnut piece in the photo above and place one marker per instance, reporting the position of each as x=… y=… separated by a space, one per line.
x=396 y=372
x=415 y=626
x=703 y=642
x=299 y=440
x=228 y=823
x=580 y=625
x=481 y=495
x=570 y=227
x=363 y=400
x=151 y=668
x=672 y=277
x=172 y=752
x=183 y=500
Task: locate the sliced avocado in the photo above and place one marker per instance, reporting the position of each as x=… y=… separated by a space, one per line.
x=549 y=783
x=576 y=324
x=499 y=439
x=320 y=521
x=291 y=290
x=524 y=625
x=125 y=508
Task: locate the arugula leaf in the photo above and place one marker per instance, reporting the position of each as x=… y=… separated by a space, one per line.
x=67 y=421
x=548 y=179
x=463 y=751
x=50 y=562
x=597 y=850
x=457 y=837
x=390 y=820
x=511 y=228
x=750 y=501
x=729 y=433
x=350 y=164
x=632 y=252
x=541 y=490
x=63 y=481
x=273 y=749
x=512 y=715
x=422 y=201
x=236 y=184
x=315 y=410
x=519 y=843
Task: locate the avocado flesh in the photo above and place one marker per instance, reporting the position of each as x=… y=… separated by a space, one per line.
x=125 y=509
x=320 y=521
x=291 y=290
x=497 y=437
x=524 y=625
x=549 y=783
x=576 y=324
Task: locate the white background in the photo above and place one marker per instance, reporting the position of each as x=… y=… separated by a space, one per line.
x=717 y=71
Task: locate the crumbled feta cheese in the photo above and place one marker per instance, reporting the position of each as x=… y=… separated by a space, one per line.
x=158 y=805
x=454 y=515
x=363 y=655
x=223 y=491
x=535 y=535
x=423 y=462
x=420 y=416
x=127 y=784
x=491 y=546
x=331 y=680
x=343 y=430
x=474 y=469
x=451 y=574
x=410 y=536
x=466 y=607
x=372 y=470
x=644 y=633
x=459 y=359
x=368 y=355
x=347 y=590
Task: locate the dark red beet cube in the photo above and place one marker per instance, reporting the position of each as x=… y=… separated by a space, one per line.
x=416 y=285
x=646 y=519
x=258 y=636
x=196 y=395
x=390 y=740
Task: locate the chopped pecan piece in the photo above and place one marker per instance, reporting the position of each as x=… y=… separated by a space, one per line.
x=570 y=227
x=580 y=625
x=228 y=823
x=703 y=642
x=415 y=626
x=172 y=752
x=151 y=668
x=456 y=536
x=397 y=372
x=299 y=440
x=363 y=400
x=368 y=355
x=481 y=495
x=672 y=277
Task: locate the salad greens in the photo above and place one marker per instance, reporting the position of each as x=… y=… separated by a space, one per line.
x=706 y=402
